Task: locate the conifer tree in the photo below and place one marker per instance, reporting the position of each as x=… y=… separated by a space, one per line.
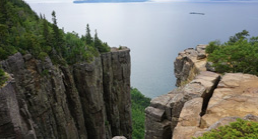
x=46 y=32
x=97 y=42
x=57 y=36
x=89 y=39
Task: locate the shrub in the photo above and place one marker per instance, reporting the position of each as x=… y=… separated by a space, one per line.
x=139 y=103
x=236 y=55
x=214 y=45
x=3 y=77
x=241 y=129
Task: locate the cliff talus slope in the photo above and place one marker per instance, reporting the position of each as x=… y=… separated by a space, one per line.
x=85 y=100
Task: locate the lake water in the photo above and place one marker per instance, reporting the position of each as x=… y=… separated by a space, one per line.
x=154 y=31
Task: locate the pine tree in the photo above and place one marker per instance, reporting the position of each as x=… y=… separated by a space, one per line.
x=46 y=32
x=89 y=39
x=97 y=42
x=57 y=36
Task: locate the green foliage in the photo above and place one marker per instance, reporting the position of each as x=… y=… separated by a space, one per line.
x=99 y=45
x=239 y=54
x=44 y=73
x=139 y=103
x=21 y=30
x=241 y=35
x=89 y=39
x=241 y=129
x=214 y=45
x=3 y=77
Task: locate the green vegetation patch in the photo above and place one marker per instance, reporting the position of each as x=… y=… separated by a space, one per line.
x=3 y=77
x=239 y=54
x=241 y=129
x=22 y=30
x=139 y=103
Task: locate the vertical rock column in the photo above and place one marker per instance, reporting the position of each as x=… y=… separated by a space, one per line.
x=41 y=98
x=116 y=83
x=88 y=79
x=12 y=124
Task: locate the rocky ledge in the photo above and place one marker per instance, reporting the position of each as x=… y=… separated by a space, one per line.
x=209 y=100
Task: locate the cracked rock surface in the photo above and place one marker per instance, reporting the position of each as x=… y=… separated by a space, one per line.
x=204 y=101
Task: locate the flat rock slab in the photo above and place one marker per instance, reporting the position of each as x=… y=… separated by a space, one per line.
x=202 y=84
x=236 y=95
x=190 y=114
x=185 y=132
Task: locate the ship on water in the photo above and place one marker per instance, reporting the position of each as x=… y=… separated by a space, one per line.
x=107 y=1
x=197 y=13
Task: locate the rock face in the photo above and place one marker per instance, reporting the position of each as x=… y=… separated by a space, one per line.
x=175 y=111
x=86 y=100
x=189 y=63
x=205 y=102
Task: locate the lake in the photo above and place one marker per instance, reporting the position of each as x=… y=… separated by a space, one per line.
x=154 y=31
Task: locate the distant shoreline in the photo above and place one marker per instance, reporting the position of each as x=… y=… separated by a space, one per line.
x=107 y=1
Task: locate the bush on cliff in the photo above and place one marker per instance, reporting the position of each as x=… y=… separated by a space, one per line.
x=139 y=103
x=2 y=77
x=239 y=54
x=241 y=129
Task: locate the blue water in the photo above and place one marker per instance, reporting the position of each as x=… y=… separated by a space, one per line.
x=155 y=31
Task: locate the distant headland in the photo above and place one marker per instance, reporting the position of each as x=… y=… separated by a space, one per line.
x=107 y=1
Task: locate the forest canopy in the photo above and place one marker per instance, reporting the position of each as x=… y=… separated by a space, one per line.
x=22 y=30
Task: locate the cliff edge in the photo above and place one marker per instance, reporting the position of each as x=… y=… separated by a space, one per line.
x=204 y=100
x=85 y=100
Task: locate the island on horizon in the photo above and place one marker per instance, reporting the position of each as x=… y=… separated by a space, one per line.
x=107 y=1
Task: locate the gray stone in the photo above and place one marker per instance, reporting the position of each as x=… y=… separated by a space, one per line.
x=209 y=67
x=251 y=117
x=201 y=56
x=86 y=100
x=155 y=113
x=119 y=137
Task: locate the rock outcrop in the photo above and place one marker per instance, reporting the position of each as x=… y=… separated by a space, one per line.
x=206 y=100
x=86 y=100
x=188 y=63
x=166 y=113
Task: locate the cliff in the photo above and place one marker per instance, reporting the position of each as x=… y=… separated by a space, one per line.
x=188 y=63
x=85 y=100
x=205 y=100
